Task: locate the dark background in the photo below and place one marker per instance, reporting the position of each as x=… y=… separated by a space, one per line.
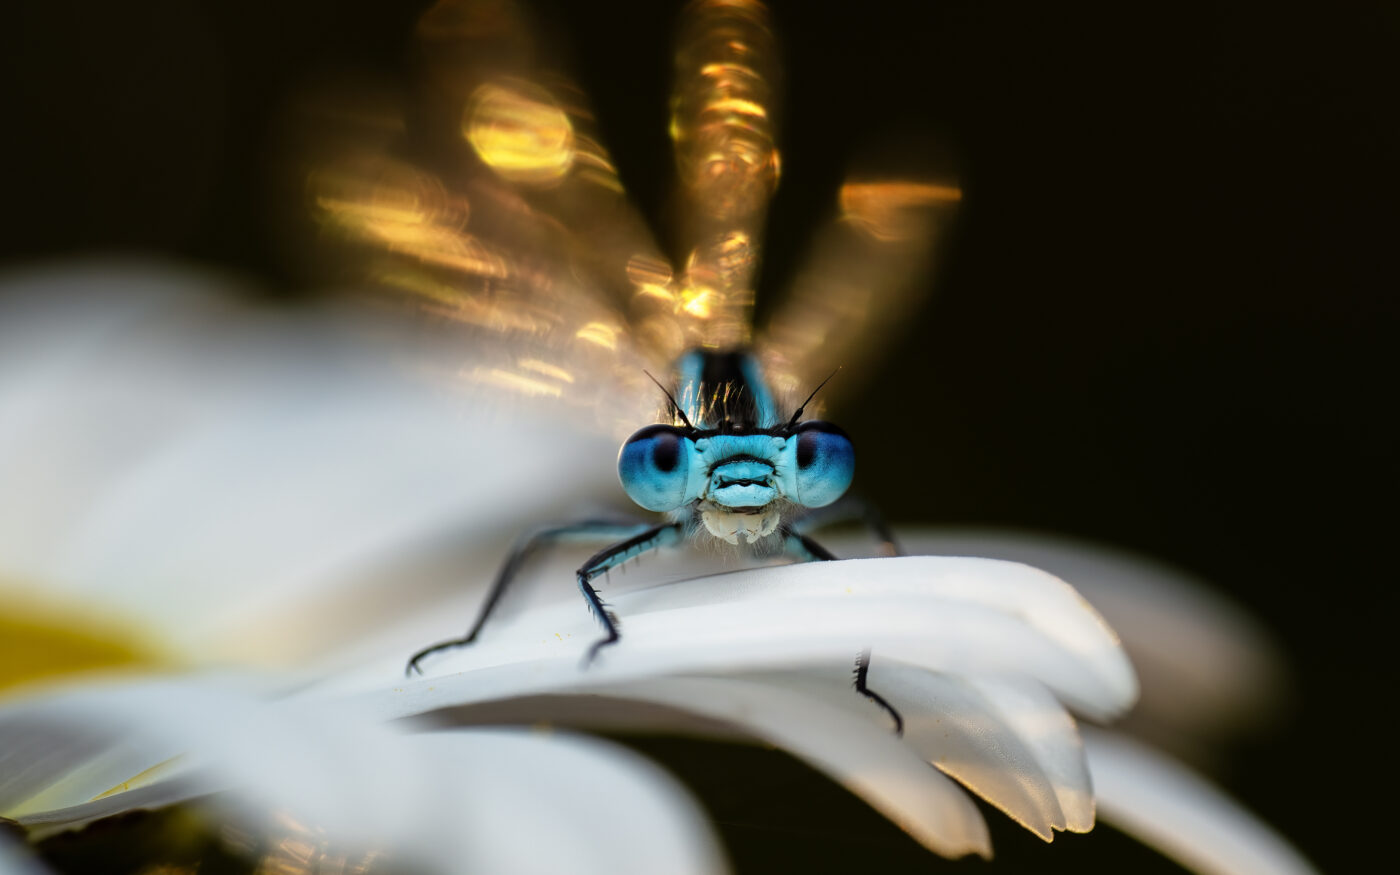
x=1164 y=320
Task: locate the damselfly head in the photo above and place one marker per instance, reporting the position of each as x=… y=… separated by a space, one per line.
x=746 y=471
x=743 y=463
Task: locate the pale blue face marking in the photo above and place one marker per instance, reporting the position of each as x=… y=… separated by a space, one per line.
x=745 y=463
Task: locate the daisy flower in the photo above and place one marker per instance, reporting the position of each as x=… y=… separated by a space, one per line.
x=155 y=548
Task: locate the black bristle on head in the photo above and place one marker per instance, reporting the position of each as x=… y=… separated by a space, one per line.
x=797 y=415
x=671 y=398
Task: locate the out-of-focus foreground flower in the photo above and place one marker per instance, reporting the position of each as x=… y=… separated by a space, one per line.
x=195 y=485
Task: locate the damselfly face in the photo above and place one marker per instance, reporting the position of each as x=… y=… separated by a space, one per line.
x=741 y=466
x=493 y=206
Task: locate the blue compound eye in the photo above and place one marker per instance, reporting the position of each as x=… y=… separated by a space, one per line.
x=654 y=466
x=826 y=462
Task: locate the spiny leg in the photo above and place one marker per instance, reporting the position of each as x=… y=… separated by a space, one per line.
x=863 y=670
x=520 y=553
x=803 y=547
x=611 y=557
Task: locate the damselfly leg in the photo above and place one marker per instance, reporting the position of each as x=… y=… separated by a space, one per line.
x=806 y=548
x=862 y=670
x=610 y=557
x=632 y=540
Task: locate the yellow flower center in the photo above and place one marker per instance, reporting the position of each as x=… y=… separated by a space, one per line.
x=49 y=638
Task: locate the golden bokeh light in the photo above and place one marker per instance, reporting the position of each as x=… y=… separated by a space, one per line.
x=554 y=372
x=377 y=200
x=514 y=382
x=593 y=164
x=722 y=123
x=520 y=132
x=384 y=199
x=895 y=209
x=698 y=301
x=599 y=334
x=649 y=273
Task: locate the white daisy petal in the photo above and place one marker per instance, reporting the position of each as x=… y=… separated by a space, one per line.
x=529 y=802
x=1165 y=805
x=1051 y=735
x=946 y=614
x=1204 y=664
x=40 y=825
x=1002 y=739
x=952 y=725
x=1008 y=741
x=57 y=335
x=15 y=860
x=862 y=755
x=486 y=800
x=68 y=747
x=205 y=407
x=866 y=759
x=1059 y=634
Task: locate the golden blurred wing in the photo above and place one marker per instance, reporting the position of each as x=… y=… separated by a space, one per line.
x=484 y=198
x=722 y=124
x=868 y=269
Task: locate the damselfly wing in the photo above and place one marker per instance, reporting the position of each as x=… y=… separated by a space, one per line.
x=483 y=197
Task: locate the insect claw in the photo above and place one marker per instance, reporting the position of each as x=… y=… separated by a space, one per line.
x=592 y=652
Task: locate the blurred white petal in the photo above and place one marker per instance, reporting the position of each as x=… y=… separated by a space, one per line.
x=865 y=758
x=1008 y=740
x=146 y=417
x=1165 y=805
x=921 y=614
x=1011 y=743
x=16 y=860
x=479 y=799
x=1205 y=665
x=592 y=807
x=42 y=824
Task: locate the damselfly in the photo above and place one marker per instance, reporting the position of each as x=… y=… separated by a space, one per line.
x=491 y=204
